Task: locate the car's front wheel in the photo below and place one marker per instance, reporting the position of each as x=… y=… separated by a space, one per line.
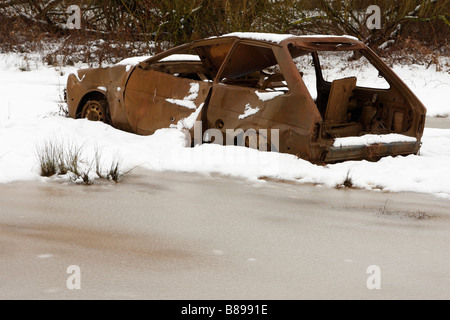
x=96 y=110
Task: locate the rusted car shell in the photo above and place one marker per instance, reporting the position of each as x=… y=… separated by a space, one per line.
x=139 y=98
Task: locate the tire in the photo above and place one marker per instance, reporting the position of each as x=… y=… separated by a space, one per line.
x=96 y=110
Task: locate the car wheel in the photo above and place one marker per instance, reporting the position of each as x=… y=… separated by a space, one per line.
x=95 y=110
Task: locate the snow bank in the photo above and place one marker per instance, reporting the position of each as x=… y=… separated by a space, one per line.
x=189 y=122
x=165 y=150
x=429 y=86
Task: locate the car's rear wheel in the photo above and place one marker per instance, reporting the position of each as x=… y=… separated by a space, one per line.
x=96 y=110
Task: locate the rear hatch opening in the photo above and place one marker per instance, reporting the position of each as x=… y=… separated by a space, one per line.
x=364 y=116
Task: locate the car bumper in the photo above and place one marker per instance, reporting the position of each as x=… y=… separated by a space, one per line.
x=371 y=152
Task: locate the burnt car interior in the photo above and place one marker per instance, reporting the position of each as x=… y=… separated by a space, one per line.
x=254 y=67
x=351 y=105
x=249 y=66
x=205 y=62
x=194 y=70
x=347 y=106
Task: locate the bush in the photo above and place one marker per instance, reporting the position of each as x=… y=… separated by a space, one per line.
x=128 y=28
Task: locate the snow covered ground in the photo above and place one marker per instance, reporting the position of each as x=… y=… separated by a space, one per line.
x=29 y=118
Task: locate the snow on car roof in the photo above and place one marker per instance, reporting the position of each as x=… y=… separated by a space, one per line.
x=181 y=57
x=278 y=38
x=269 y=37
x=175 y=57
x=133 y=61
x=329 y=36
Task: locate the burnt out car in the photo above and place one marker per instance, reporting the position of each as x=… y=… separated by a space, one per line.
x=292 y=85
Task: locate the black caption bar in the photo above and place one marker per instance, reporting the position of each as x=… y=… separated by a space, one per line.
x=221 y=309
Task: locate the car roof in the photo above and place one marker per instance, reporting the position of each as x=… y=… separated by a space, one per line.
x=311 y=42
x=280 y=39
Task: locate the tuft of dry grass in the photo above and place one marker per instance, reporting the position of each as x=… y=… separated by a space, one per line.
x=348 y=181
x=48 y=156
x=62 y=158
x=416 y=215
